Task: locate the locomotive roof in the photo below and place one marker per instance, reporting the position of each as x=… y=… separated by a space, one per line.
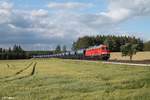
x=95 y=47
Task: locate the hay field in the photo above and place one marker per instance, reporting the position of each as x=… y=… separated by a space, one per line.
x=138 y=56
x=58 y=79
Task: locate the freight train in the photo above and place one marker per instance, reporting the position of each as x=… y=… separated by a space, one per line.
x=100 y=52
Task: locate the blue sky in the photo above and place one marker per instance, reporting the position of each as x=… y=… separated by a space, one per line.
x=42 y=24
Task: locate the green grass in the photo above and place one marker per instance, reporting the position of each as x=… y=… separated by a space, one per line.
x=58 y=79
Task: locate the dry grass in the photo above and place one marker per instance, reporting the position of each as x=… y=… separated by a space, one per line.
x=58 y=79
x=138 y=56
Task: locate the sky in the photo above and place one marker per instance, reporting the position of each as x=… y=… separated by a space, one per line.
x=43 y=24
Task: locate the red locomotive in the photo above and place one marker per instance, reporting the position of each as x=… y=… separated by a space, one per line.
x=98 y=52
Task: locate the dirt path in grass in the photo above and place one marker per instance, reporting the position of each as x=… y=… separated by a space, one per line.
x=17 y=73
x=26 y=76
x=31 y=73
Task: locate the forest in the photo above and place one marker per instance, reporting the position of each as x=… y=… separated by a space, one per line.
x=13 y=53
x=113 y=42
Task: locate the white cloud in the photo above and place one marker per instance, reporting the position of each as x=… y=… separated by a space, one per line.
x=69 y=5
x=39 y=13
x=121 y=10
x=117 y=15
x=5 y=11
x=5 y=5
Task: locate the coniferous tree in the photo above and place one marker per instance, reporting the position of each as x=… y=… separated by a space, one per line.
x=64 y=48
x=58 y=49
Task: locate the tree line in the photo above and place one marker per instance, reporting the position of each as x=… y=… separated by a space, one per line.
x=16 y=52
x=113 y=42
x=13 y=53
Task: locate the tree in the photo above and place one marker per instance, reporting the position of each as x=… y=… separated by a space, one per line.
x=64 y=48
x=16 y=53
x=1 y=50
x=83 y=43
x=129 y=49
x=109 y=42
x=58 y=49
x=74 y=46
x=147 y=46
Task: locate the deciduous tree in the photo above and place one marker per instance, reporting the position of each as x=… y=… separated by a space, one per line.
x=129 y=49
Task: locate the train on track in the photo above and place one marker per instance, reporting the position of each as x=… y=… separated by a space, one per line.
x=100 y=52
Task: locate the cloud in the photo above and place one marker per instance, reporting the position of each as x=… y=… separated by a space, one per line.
x=41 y=28
x=69 y=5
x=121 y=10
x=5 y=11
x=39 y=13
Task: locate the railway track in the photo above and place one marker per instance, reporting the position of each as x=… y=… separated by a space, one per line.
x=126 y=63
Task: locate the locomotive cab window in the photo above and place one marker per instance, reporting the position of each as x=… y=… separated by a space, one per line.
x=103 y=48
x=106 y=48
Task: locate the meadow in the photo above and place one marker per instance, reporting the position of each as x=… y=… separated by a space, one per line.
x=59 y=79
x=139 y=56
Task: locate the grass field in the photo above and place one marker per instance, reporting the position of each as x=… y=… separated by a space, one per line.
x=57 y=79
x=138 y=56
